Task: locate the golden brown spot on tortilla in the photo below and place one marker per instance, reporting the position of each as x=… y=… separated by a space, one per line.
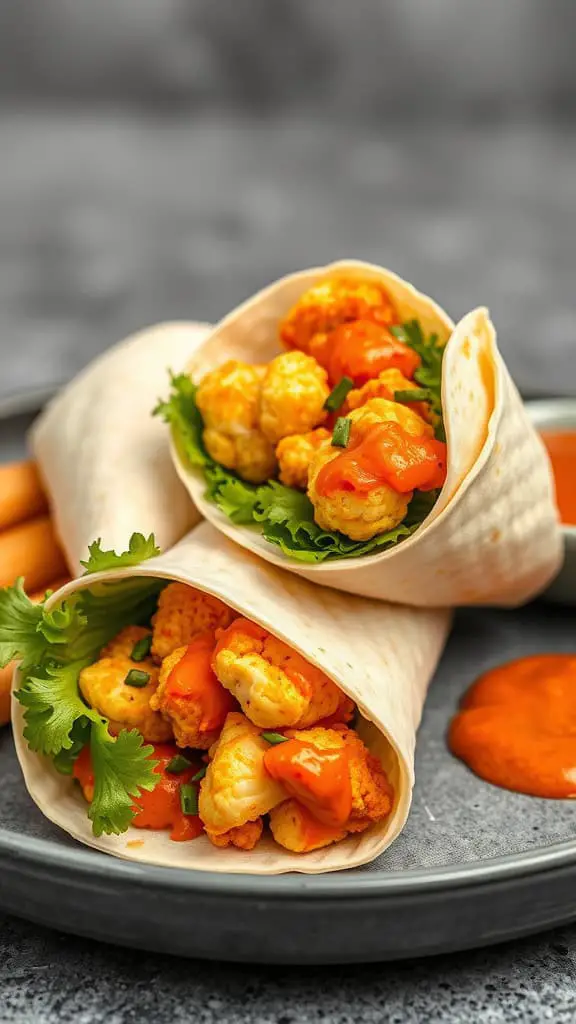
x=466 y=348
x=497 y=448
x=497 y=471
x=471 y=395
x=135 y=844
x=495 y=536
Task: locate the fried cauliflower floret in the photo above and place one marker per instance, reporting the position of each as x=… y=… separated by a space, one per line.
x=189 y=695
x=125 y=642
x=385 y=386
x=274 y=685
x=237 y=788
x=381 y=410
x=294 y=390
x=329 y=303
x=244 y=837
x=295 y=453
x=358 y=516
x=297 y=830
x=183 y=613
x=229 y=401
x=322 y=810
x=361 y=516
x=103 y=686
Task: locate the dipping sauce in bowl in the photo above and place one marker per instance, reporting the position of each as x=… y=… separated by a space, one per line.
x=555 y=421
x=561 y=447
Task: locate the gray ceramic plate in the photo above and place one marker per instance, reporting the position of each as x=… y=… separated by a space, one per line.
x=475 y=864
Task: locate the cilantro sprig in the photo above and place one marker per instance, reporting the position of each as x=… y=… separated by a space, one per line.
x=53 y=647
x=284 y=515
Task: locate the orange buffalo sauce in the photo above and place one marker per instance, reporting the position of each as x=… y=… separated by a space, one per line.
x=561 y=448
x=192 y=679
x=516 y=727
x=318 y=778
x=361 y=350
x=160 y=808
x=385 y=454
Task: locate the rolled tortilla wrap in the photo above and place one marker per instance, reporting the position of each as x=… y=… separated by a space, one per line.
x=493 y=535
x=380 y=655
x=104 y=459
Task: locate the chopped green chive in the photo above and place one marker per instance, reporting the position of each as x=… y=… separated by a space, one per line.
x=178 y=764
x=188 y=799
x=341 y=434
x=273 y=738
x=412 y=395
x=141 y=649
x=137 y=678
x=338 y=394
x=199 y=775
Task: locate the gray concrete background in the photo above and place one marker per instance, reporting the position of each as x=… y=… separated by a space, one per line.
x=112 y=219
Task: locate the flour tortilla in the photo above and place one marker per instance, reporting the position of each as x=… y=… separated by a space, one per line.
x=382 y=656
x=104 y=459
x=493 y=536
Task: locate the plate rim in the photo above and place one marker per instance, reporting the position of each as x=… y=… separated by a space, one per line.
x=77 y=860
x=46 y=853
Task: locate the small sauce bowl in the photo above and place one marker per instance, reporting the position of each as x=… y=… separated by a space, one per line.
x=557 y=414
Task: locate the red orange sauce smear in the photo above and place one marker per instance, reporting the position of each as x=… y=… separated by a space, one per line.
x=516 y=727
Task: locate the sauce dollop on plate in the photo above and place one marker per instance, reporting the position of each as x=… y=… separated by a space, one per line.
x=516 y=726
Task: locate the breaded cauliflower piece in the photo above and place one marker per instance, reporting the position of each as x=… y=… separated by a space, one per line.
x=189 y=695
x=329 y=303
x=294 y=390
x=297 y=830
x=382 y=386
x=385 y=385
x=183 y=613
x=361 y=516
x=244 y=837
x=237 y=788
x=125 y=642
x=229 y=401
x=104 y=688
x=380 y=410
x=274 y=685
x=368 y=799
x=295 y=453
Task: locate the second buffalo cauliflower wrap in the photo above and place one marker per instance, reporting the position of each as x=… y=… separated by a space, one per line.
x=103 y=458
x=204 y=710
x=384 y=452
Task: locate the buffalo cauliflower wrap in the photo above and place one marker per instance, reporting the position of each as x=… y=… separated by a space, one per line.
x=200 y=709
x=338 y=425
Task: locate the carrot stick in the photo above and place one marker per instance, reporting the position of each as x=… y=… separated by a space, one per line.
x=31 y=550
x=5 y=682
x=7 y=673
x=21 y=494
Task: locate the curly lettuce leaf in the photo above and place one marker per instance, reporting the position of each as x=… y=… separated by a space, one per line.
x=19 y=626
x=53 y=647
x=140 y=549
x=284 y=515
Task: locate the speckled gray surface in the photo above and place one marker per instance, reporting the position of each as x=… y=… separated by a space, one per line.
x=46 y=978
